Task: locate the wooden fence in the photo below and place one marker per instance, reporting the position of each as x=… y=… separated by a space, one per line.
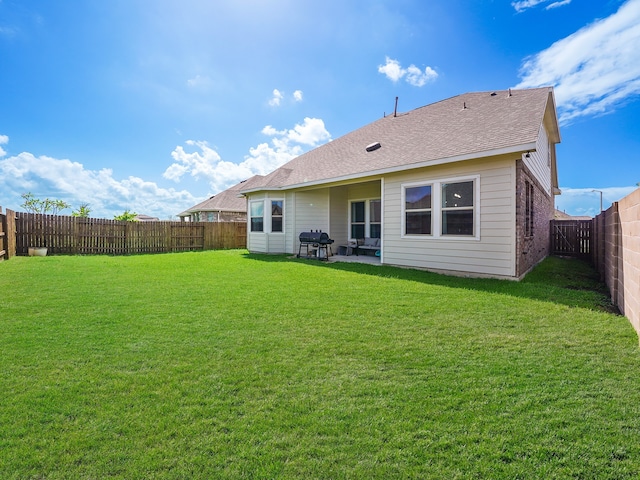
x=7 y=234
x=572 y=238
x=94 y=236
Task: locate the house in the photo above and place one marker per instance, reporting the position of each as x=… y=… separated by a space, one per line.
x=146 y=218
x=226 y=206
x=462 y=186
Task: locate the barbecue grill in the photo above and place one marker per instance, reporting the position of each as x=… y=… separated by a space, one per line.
x=318 y=240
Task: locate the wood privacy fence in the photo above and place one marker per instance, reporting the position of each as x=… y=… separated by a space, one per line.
x=94 y=236
x=7 y=234
x=572 y=238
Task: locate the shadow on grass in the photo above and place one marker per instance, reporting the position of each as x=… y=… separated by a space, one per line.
x=566 y=281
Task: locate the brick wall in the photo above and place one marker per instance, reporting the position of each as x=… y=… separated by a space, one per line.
x=532 y=245
x=616 y=254
x=629 y=214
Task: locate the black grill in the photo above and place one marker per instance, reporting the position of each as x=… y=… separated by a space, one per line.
x=318 y=240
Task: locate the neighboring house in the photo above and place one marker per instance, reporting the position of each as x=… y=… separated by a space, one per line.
x=462 y=186
x=146 y=218
x=560 y=215
x=226 y=206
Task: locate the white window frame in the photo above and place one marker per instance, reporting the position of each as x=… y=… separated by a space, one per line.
x=367 y=215
x=251 y=217
x=436 y=209
x=270 y=200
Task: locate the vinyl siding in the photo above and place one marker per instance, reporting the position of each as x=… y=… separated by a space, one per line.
x=539 y=161
x=311 y=213
x=492 y=254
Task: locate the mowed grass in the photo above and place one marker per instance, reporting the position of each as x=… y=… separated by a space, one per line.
x=229 y=365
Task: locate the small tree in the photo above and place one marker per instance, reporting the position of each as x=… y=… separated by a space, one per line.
x=47 y=205
x=82 y=211
x=127 y=216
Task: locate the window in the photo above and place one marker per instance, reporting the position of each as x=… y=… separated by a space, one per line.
x=276 y=215
x=528 y=207
x=441 y=208
x=375 y=218
x=366 y=219
x=457 y=208
x=358 y=220
x=257 y=216
x=417 y=210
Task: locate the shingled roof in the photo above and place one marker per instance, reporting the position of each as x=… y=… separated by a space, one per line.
x=228 y=200
x=471 y=125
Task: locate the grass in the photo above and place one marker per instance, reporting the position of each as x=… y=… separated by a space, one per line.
x=229 y=365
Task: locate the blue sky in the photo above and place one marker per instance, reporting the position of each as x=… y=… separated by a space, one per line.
x=154 y=105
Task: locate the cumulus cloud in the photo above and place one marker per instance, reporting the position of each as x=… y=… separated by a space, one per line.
x=276 y=98
x=593 y=70
x=413 y=75
x=284 y=145
x=69 y=181
x=586 y=201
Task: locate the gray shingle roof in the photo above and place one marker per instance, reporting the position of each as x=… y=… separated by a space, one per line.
x=227 y=200
x=465 y=126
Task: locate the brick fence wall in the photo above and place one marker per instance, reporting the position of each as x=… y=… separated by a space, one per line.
x=616 y=254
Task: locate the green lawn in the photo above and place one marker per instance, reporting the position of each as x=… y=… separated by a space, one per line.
x=229 y=365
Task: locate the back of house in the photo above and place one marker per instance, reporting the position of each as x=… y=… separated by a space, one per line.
x=461 y=186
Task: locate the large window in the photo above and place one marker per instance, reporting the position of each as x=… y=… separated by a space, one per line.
x=443 y=208
x=365 y=219
x=276 y=215
x=457 y=208
x=257 y=216
x=417 y=210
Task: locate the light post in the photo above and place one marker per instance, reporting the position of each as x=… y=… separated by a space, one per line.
x=600 y=192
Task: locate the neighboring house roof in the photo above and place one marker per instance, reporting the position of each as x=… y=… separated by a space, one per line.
x=560 y=215
x=471 y=125
x=146 y=218
x=228 y=200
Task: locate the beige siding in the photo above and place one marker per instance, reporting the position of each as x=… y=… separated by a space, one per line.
x=339 y=205
x=539 y=162
x=312 y=213
x=256 y=241
x=491 y=254
x=266 y=242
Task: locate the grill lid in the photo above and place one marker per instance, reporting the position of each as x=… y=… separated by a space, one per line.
x=315 y=237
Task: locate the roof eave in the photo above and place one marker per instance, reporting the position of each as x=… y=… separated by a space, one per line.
x=523 y=148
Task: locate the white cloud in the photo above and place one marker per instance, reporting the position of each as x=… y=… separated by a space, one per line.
x=414 y=76
x=69 y=181
x=557 y=4
x=262 y=159
x=277 y=98
x=297 y=95
x=586 y=201
x=593 y=70
x=392 y=70
x=3 y=141
x=523 y=5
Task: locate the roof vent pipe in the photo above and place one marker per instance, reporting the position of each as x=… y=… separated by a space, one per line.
x=509 y=92
x=395 y=110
